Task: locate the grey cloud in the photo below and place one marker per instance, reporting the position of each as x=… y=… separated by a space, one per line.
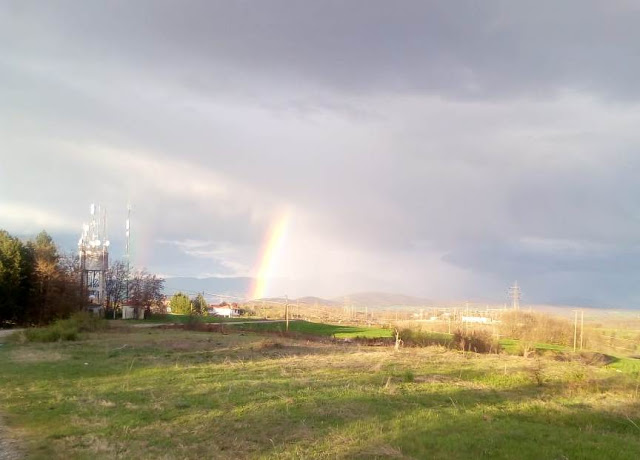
x=405 y=130
x=461 y=49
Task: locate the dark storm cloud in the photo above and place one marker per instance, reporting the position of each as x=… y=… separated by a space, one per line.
x=460 y=49
x=497 y=137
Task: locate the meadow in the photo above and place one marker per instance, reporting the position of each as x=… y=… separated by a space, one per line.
x=128 y=392
x=318 y=329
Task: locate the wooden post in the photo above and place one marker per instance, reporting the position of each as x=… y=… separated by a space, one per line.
x=286 y=313
x=575 y=330
x=581 y=328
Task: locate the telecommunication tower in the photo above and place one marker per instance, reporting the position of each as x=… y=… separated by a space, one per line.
x=515 y=293
x=93 y=248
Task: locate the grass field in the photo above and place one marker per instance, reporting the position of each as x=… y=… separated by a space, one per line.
x=182 y=319
x=151 y=393
x=320 y=329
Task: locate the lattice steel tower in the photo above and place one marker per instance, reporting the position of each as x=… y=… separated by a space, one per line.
x=93 y=249
x=515 y=293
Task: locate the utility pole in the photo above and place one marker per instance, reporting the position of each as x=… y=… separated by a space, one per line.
x=286 y=311
x=581 y=328
x=575 y=330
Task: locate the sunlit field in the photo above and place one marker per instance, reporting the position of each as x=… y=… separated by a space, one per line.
x=155 y=393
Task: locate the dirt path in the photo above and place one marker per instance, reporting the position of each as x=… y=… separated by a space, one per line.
x=260 y=321
x=4 y=333
x=9 y=449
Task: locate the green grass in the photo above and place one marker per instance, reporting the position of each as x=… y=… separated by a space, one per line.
x=319 y=329
x=149 y=393
x=512 y=346
x=182 y=319
x=626 y=365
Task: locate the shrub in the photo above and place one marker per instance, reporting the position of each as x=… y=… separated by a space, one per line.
x=65 y=329
x=408 y=376
x=416 y=338
x=60 y=330
x=477 y=341
x=193 y=322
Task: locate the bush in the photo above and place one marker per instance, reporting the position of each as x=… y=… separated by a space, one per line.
x=416 y=338
x=193 y=322
x=408 y=376
x=65 y=329
x=58 y=331
x=477 y=341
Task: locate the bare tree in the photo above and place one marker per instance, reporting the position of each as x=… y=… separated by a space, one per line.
x=116 y=285
x=145 y=291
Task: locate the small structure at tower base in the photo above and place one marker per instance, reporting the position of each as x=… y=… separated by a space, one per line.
x=129 y=312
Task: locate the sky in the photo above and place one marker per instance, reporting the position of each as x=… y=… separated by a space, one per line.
x=433 y=148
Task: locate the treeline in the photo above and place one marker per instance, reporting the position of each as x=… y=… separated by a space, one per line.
x=181 y=304
x=37 y=283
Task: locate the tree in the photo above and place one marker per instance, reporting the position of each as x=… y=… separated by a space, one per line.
x=37 y=283
x=16 y=270
x=47 y=273
x=116 y=280
x=145 y=291
x=180 y=304
x=199 y=305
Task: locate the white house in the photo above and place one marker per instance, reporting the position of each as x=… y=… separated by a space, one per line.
x=222 y=311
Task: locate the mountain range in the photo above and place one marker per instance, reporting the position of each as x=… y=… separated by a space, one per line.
x=239 y=287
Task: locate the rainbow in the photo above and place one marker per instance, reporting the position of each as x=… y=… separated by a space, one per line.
x=270 y=251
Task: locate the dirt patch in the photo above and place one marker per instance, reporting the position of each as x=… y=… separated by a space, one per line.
x=381 y=451
x=9 y=446
x=585 y=357
x=26 y=355
x=6 y=333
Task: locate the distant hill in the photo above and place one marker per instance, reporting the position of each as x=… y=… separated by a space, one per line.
x=383 y=299
x=238 y=287
x=310 y=300
x=241 y=286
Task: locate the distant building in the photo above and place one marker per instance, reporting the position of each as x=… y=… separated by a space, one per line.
x=224 y=309
x=476 y=319
x=129 y=312
x=221 y=311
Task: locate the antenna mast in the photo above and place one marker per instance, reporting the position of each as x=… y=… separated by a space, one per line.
x=128 y=245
